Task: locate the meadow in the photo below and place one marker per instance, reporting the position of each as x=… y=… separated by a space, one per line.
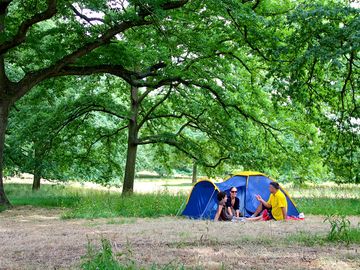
x=97 y=228
x=326 y=199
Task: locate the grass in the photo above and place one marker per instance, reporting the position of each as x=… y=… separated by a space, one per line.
x=48 y=196
x=324 y=190
x=105 y=258
x=94 y=203
x=341 y=231
x=329 y=206
x=351 y=237
x=138 y=205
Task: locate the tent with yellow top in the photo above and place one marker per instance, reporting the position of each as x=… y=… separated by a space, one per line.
x=202 y=202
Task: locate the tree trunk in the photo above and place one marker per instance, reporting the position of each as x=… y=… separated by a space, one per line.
x=37 y=170
x=4 y=113
x=194 y=172
x=129 y=178
x=4 y=110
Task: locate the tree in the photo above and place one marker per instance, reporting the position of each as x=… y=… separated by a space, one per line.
x=235 y=55
x=320 y=70
x=192 y=122
x=181 y=77
x=21 y=32
x=53 y=142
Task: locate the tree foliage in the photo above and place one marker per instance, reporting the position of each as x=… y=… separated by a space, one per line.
x=264 y=85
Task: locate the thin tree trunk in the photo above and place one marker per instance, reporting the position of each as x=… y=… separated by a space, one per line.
x=129 y=178
x=194 y=172
x=37 y=170
x=4 y=113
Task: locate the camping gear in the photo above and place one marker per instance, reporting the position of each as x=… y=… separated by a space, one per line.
x=202 y=202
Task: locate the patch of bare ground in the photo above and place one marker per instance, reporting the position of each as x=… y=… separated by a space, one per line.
x=37 y=238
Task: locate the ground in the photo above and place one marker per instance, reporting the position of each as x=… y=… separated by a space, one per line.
x=37 y=238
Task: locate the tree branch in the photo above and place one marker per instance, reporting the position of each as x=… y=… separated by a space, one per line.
x=24 y=27
x=33 y=78
x=107 y=136
x=84 y=17
x=153 y=108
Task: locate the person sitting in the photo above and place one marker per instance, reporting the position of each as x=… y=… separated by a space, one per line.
x=221 y=213
x=233 y=203
x=275 y=208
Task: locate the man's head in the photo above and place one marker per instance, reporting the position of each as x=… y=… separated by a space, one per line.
x=221 y=196
x=233 y=192
x=274 y=187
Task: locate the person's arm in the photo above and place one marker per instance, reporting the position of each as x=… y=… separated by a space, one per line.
x=283 y=209
x=218 y=212
x=229 y=211
x=266 y=204
x=237 y=207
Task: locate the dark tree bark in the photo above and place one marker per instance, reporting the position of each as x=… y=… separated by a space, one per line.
x=129 y=177
x=4 y=112
x=194 y=172
x=4 y=107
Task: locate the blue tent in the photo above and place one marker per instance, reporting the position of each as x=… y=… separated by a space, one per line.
x=202 y=201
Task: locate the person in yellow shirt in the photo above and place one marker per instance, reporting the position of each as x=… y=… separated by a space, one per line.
x=276 y=206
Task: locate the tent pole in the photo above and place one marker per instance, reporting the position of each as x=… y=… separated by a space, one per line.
x=207 y=204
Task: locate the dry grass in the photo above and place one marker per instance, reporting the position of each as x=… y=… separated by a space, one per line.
x=35 y=238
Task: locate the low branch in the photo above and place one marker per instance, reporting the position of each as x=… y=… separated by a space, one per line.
x=131 y=77
x=103 y=136
x=186 y=152
x=117 y=70
x=252 y=118
x=161 y=137
x=33 y=78
x=79 y=112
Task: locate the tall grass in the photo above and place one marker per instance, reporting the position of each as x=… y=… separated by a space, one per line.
x=328 y=206
x=94 y=203
x=137 y=205
x=48 y=196
x=324 y=190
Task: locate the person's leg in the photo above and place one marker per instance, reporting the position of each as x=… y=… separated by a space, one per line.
x=254 y=218
x=258 y=210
